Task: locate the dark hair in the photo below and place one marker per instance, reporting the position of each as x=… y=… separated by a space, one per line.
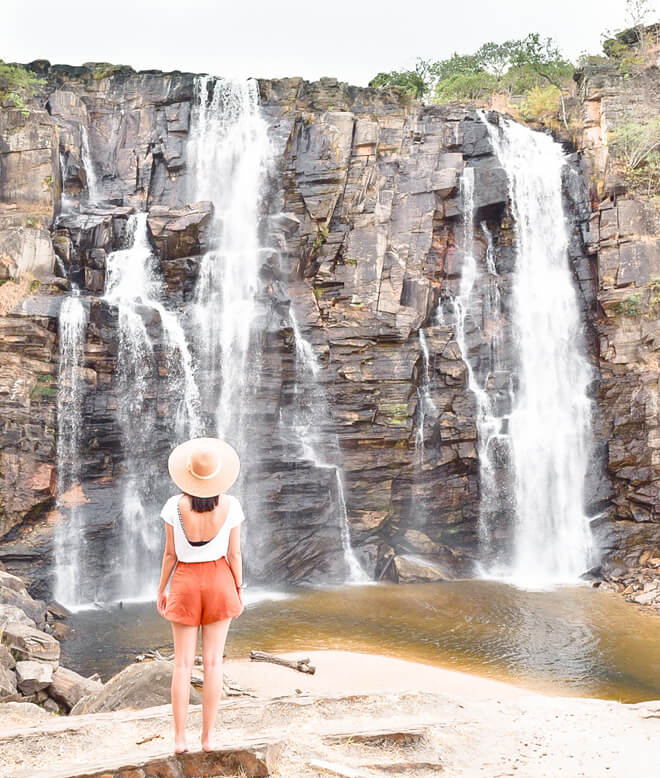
x=203 y=504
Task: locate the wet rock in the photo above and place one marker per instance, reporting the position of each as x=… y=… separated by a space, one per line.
x=180 y=232
x=141 y=685
x=412 y=569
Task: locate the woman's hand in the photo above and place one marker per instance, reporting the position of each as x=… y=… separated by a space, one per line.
x=161 y=602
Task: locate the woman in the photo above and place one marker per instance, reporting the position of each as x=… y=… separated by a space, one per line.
x=203 y=541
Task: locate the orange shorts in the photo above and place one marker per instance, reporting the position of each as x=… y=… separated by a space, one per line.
x=202 y=592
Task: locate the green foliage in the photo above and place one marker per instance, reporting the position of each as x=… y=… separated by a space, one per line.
x=31 y=221
x=514 y=67
x=17 y=85
x=654 y=299
x=541 y=104
x=350 y=261
x=631 y=306
x=636 y=149
x=43 y=388
x=34 y=285
x=413 y=82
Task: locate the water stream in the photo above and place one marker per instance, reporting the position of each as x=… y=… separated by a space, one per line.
x=550 y=424
x=68 y=537
x=134 y=287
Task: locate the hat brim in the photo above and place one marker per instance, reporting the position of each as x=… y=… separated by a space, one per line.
x=177 y=465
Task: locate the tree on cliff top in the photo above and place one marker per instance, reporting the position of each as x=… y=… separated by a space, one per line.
x=514 y=66
x=16 y=86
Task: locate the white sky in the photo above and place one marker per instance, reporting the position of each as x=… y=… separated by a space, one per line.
x=348 y=39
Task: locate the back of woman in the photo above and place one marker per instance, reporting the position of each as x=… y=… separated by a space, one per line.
x=204 y=548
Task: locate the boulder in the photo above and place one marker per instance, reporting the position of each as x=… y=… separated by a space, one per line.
x=67 y=687
x=7 y=682
x=14 y=613
x=28 y=643
x=180 y=232
x=19 y=603
x=411 y=568
x=141 y=685
x=32 y=676
x=6 y=657
x=19 y=714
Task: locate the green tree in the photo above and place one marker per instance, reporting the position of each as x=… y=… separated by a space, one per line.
x=414 y=82
x=17 y=85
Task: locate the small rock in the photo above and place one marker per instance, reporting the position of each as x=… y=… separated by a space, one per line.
x=62 y=631
x=32 y=676
x=51 y=706
x=646 y=598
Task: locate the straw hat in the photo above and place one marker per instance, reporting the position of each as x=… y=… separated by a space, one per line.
x=204 y=467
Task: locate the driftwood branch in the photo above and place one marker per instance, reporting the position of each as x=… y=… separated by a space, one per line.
x=302 y=665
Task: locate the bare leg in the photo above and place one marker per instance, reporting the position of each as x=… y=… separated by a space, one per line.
x=213 y=646
x=185 y=643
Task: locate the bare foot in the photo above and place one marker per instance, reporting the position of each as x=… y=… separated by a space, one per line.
x=207 y=745
x=180 y=748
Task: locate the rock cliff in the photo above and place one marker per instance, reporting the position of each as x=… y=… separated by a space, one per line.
x=360 y=224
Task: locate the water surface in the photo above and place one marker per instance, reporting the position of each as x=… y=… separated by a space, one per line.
x=572 y=640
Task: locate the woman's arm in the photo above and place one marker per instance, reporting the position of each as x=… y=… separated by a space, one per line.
x=234 y=555
x=169 y=560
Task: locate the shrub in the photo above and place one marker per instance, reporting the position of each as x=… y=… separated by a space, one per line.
x=541 y=104
x=17 y=85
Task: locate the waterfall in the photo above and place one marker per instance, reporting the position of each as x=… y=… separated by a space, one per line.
x=311 y=413
x=470 y=310
x=227 y=156
x=134 y=287
x=72 y=327
x=93 y=192
x=549 y=426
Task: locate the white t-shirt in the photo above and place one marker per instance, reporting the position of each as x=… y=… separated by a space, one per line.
x=215 y=548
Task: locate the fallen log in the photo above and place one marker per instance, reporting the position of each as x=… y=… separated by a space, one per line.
x=302 y=665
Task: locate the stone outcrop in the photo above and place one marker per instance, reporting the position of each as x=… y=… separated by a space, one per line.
x=140 y=685
x=623 y=237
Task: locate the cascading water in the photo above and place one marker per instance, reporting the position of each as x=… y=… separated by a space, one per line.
x=548 y=434
x=477 y=305
x=312 y=413
x=93 y=191
x=69 y=542
x=134 y=287
x=550 y=425
x=227 y=155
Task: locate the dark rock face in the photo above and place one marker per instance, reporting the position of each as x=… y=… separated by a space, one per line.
x=622 y=235
x=361 y=220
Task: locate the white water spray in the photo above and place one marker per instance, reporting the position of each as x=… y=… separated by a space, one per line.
x=72 y=327
x=227 y=154
x=550 y=425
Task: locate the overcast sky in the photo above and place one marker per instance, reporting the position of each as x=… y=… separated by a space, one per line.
x=348 y=39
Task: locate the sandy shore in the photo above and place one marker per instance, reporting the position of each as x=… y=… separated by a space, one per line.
x=353 y=672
